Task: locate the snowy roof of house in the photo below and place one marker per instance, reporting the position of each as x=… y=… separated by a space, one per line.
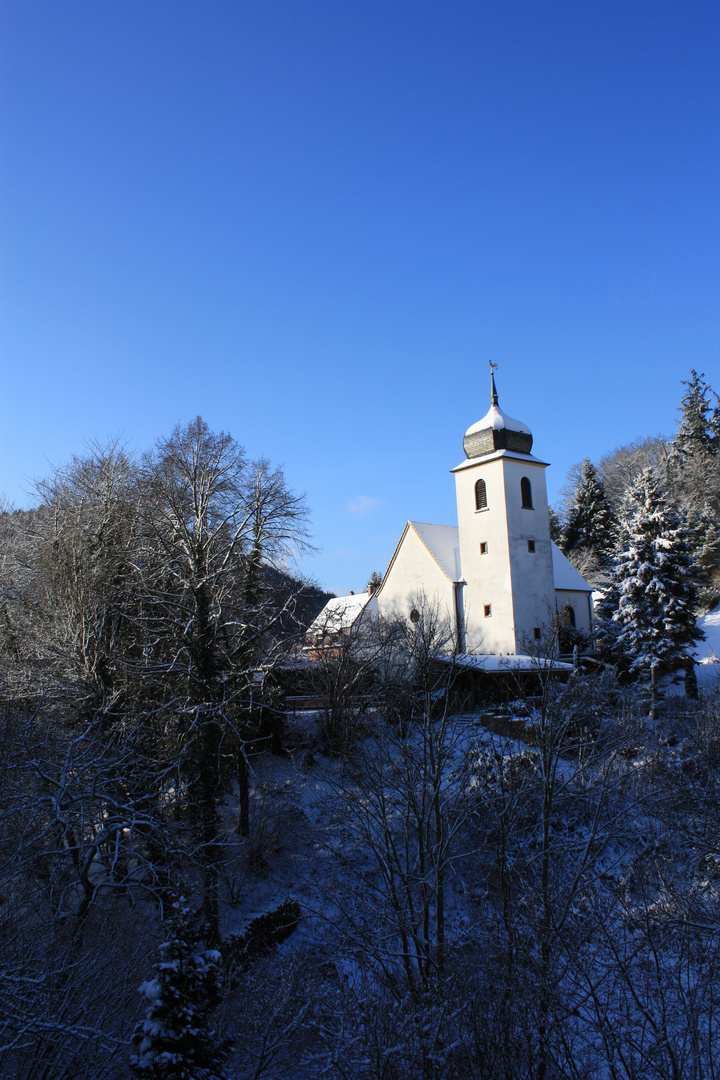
x=339 y=613
x=565 y=574
x=494 y=662
x=443 y=543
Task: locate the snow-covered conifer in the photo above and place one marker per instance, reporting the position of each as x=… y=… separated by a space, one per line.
x=654 y=614
x=588 y=530
x=555 y=525
x=694 y=475
x=699 y=429
x=174 y=1041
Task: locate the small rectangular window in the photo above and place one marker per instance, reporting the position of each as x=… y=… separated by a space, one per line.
x=536 y=633
x=488 y=611
x=531 y=547
x=483 y=547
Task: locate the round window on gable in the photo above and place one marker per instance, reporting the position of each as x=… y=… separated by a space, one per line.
x=414 y=615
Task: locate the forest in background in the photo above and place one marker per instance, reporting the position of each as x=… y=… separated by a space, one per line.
x=379 y=886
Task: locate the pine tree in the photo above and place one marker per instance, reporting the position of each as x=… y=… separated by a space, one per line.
x=694 y=475
x=555 y=526
x=654 y=614
x=174 y=1041
x=704 y=530
x=588 y=530
x=374 y=581
x=699 y=429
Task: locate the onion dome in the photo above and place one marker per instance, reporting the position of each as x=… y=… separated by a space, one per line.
x=496 y=431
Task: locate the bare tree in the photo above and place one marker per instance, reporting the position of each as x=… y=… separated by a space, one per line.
x=349 y=655
x=622 y=466
x=549 y=813
x=403 y=807
x=210 y=520
x=78 y=888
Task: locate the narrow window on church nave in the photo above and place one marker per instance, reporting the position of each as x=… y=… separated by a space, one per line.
x=531 y=547
x=483 y=547
x=488 y=611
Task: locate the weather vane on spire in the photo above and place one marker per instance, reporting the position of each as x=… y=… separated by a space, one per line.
x=493 y=391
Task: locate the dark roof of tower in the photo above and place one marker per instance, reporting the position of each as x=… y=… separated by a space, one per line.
x=496 y=431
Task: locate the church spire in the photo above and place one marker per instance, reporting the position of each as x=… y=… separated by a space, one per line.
x=496 y=431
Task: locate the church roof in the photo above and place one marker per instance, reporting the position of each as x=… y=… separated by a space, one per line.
x=496 y=419
x=443 y=543
x=565 y=574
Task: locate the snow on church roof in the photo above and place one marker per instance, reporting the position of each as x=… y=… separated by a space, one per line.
x=496 y=431
x=498 y=421
x=443 y=543
x=565 y=574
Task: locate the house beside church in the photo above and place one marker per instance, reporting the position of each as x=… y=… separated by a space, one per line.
x=496 y=577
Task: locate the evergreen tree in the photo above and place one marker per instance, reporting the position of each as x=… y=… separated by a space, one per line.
x=555 y=526
x=654 y=594
x=174 y=1041
x=374 y=581
x=588 y=530
x=704 y=531
x=699 y=430
x=694 y=476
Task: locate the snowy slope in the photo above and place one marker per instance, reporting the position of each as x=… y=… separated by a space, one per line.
x=708 y=651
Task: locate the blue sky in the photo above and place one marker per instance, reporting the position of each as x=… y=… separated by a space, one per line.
x=314 y=222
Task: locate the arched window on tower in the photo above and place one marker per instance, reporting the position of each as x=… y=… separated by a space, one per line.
x=480 y=495
x=526 y=493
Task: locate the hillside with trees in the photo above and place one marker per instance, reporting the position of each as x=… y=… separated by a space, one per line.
x=221 y=858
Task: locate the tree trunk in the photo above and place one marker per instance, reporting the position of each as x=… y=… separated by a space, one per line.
x=243 y=779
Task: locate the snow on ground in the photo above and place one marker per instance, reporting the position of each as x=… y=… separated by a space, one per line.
x=708 y=651
x=304 y=835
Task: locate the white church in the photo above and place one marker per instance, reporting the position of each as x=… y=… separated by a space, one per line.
x=496 y=577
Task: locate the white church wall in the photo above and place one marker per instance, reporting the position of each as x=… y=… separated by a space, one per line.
x=581 y=604
x=531 y=571
x=415 y=580
x=486 y=571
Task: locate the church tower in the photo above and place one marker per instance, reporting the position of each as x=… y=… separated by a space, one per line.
x=507 y=596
